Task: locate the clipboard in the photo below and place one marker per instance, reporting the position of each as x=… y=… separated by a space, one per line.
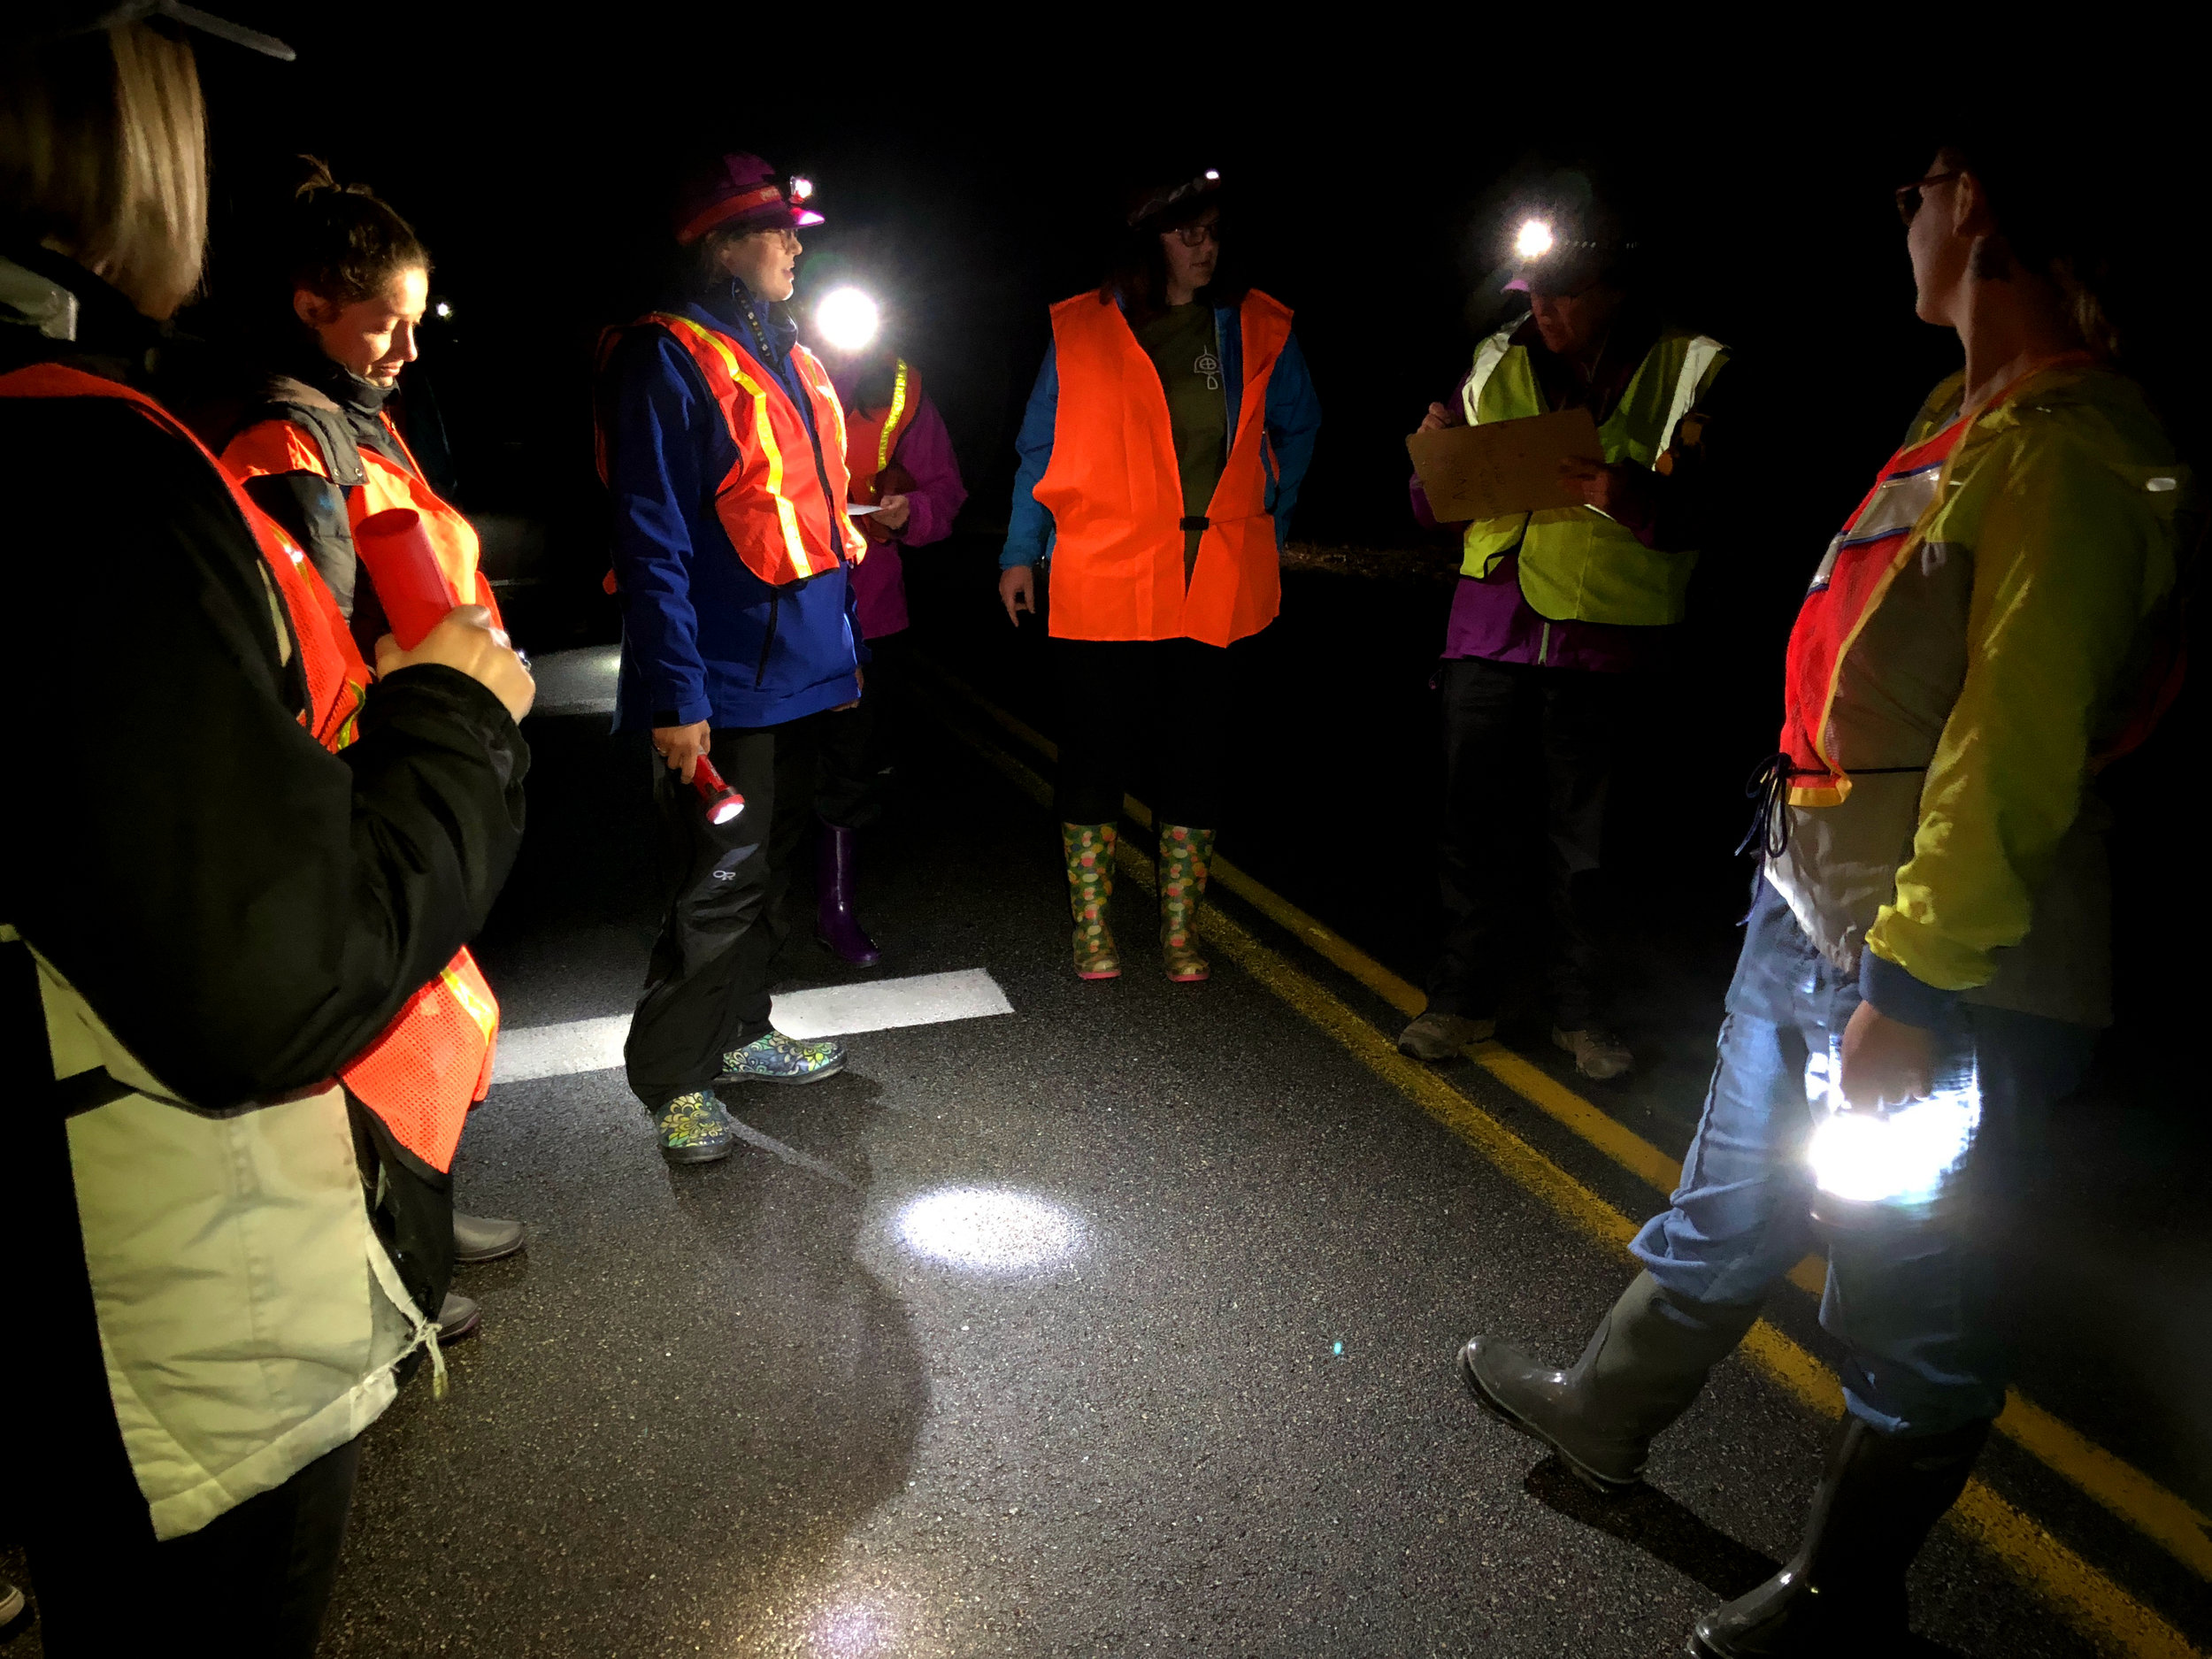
x=1502 y=467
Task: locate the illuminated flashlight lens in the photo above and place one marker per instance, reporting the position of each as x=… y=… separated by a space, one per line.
x=847 y=318
x=1902 y=1157
x=1534 y=240
x=1210 y=173
x=723 y=811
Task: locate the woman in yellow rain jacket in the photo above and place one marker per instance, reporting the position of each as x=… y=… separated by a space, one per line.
x=1926 y=966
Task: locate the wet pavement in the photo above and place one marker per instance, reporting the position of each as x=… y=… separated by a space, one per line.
x=1122 y=1323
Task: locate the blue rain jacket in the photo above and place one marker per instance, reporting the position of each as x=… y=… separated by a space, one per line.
x=702 y=637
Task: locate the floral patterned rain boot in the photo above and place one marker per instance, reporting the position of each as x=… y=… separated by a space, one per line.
x=1090 y=850
x=1185 y=853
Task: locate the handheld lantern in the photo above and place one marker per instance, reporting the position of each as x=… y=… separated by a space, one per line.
x=847 y=318
x=1895 y=1162
x=409 y=585
x=723 y=802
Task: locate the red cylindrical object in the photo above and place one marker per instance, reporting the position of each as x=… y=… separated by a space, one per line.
x=403 y=567
x=723 y=802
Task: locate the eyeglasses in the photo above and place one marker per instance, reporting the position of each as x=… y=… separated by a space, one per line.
x=1908 y=195
x=1198 y=236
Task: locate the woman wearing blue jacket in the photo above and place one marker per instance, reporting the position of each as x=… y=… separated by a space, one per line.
x=722 y=445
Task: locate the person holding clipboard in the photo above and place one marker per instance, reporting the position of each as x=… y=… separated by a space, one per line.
x=1558 y=603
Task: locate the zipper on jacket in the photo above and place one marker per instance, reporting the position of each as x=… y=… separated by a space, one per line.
x=768 y=644
x=1543 y=642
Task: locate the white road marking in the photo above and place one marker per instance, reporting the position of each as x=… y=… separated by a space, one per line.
x=924 y=999
x=580 y=1045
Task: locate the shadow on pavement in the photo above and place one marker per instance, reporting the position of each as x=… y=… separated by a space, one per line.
x=1656 y=1524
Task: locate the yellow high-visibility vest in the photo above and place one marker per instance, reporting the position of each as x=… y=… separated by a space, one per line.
x=1577 y=563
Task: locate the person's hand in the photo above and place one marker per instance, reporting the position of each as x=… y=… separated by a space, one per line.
x=1885 y=1062
x=1439 y=418
x=681 y=746
x=893 y=511
x=1608 y=488
x=1018 y=592
x=464 y=639
x=860 y=679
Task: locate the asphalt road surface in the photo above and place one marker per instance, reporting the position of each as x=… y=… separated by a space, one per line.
x=1120 y=1323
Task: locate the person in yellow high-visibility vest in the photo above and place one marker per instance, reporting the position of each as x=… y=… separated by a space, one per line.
x=1555 y=610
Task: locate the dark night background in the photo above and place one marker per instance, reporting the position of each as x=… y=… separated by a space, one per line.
x=536 y=155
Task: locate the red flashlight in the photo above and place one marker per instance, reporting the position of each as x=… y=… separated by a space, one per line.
x=723 y=802
x=409 y=585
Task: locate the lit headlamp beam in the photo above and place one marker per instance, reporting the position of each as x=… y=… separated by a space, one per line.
x=1533 y=239
x=847 y=318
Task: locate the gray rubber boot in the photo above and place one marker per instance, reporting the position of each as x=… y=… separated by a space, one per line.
x=1843 y=1593
x=1644 y=1365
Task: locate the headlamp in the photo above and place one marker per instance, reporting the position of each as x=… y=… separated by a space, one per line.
x=1533 y=239
x=1160 y=201
x=847 y=318
x=798 y=189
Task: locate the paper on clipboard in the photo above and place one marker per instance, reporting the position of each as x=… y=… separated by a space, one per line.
x=1502 y=466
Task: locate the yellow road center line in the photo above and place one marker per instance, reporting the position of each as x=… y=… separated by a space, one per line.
x=2165 y=1518
x=2091 y=1600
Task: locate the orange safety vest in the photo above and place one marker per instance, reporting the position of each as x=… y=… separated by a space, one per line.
x=772 y=502
x=435 y=1060
x=275 y=447
x=1849 y=586
x=871 y=436
x=1115 y=497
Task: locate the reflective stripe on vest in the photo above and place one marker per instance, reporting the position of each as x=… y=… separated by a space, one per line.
x=1115 y=494
x=1577 y=563
x=871 y=439
x=771 y=502
x=424 y=1070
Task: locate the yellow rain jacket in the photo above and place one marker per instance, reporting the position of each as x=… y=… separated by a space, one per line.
x=1971 y=700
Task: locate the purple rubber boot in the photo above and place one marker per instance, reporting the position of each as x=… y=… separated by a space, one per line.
x=834 y=922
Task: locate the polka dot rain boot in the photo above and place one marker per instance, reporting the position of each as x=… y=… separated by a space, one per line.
x=1090 y=850
x=1185 y=853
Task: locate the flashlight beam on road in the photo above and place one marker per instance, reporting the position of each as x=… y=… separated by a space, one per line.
x=847 y=318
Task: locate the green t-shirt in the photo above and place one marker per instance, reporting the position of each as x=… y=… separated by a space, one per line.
x=1181 y=342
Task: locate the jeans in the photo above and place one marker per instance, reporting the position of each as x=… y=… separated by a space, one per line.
x=1912 y=1302
x=1528 y=753
x=706 y=985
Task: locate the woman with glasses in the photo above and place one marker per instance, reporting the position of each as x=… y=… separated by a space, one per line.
x=1927 y=961
x=1161 y=455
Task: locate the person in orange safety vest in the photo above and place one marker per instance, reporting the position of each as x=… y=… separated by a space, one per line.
x=1161 y=456
x=319 y=452
x=203 y=935
x=722 y=447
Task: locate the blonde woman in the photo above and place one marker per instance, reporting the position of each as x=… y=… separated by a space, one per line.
x=200 y=926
